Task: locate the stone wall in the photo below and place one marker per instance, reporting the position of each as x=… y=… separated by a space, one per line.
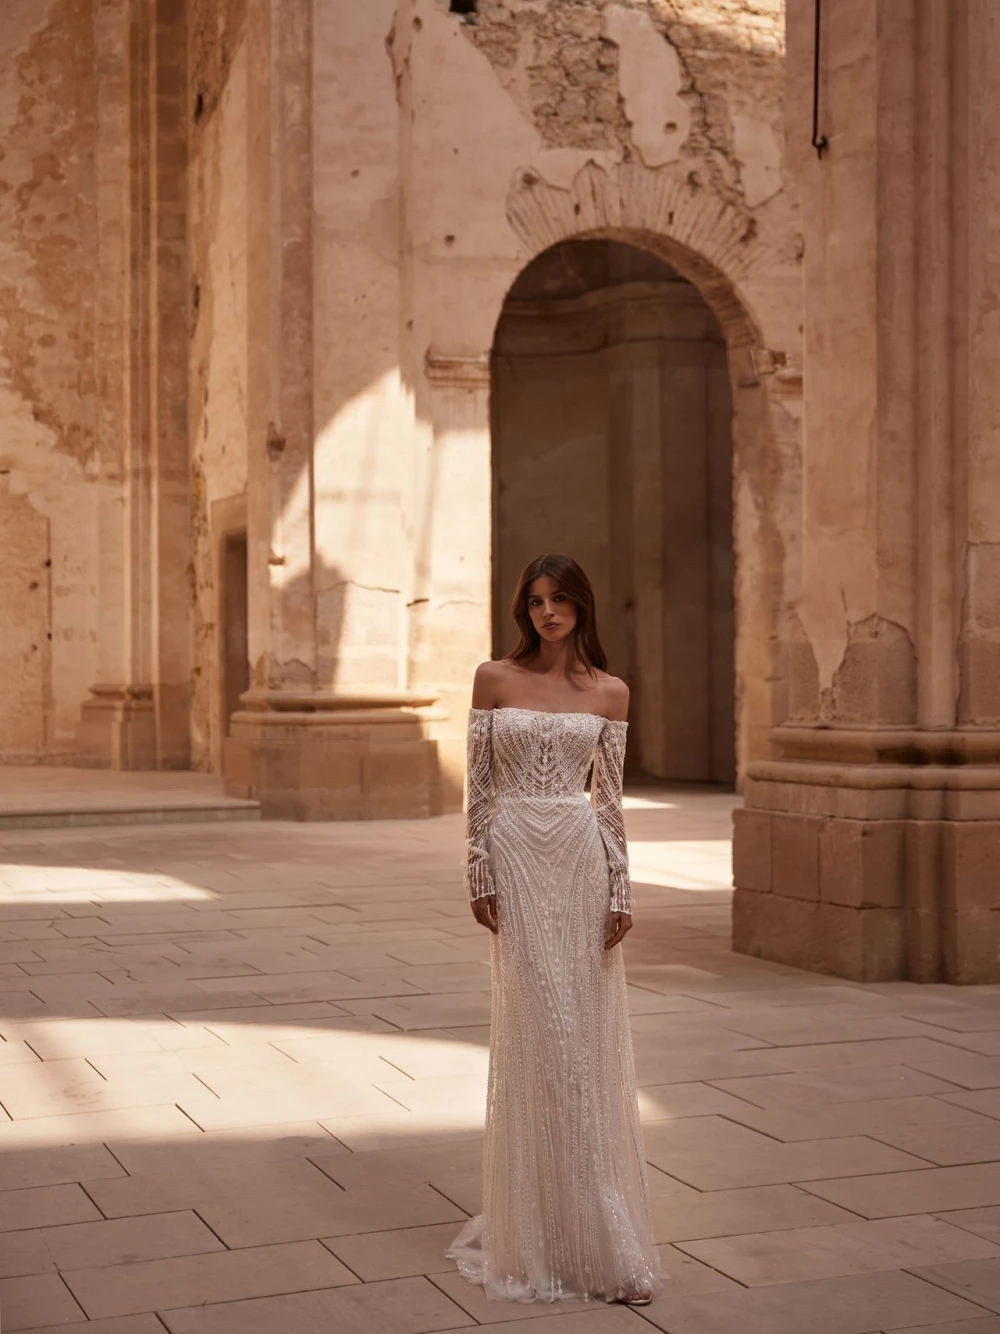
x=655 y=123
x=257 y=254
x=49 y=479
x=218 y=340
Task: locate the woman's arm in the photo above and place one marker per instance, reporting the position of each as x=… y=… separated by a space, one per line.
x=606 y=798
x=479 y=804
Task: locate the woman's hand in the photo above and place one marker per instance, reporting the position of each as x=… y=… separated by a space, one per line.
x=485 y=911
x=621 y=922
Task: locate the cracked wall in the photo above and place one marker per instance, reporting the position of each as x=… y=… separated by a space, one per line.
x=698 y=81
x=48 y=475
x=658 y=122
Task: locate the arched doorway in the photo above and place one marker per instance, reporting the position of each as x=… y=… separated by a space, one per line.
x=611 y=420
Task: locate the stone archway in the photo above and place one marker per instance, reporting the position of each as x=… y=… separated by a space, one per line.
x=611 y=423
x=747 y=277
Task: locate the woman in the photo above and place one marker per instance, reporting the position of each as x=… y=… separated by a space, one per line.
x=565 y=1203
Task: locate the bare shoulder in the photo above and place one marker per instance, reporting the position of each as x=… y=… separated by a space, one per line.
x=616 y=695
x=486 y=684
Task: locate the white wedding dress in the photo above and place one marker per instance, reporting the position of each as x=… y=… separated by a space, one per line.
x=565 y=1198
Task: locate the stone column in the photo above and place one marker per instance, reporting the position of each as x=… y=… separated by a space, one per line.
x=329 y=729
x=869 y=845
x=138 y=716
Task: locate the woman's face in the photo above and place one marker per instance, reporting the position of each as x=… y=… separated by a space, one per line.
x=552 y=613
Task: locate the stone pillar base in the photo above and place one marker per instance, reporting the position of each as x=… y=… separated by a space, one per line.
x=325 y=756
x=878 y=862
x=117 y=729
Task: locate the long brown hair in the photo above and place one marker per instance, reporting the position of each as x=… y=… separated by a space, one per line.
x=574 y=583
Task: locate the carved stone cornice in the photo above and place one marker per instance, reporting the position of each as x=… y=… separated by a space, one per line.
x=457 y=372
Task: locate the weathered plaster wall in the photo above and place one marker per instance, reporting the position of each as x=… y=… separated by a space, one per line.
x=363 y=416
x=655 y=122
x=218 y=349
x=48 y=479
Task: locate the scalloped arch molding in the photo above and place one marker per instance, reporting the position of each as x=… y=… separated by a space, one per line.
x=716 y=246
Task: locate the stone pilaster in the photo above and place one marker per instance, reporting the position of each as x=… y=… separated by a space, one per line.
x=868 y=846
x=138 y=716
x=329 y=728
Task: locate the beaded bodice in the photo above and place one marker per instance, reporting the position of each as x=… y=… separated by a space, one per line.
x=529 y=755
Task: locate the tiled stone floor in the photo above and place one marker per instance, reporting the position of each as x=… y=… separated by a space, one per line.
x=243 y=1071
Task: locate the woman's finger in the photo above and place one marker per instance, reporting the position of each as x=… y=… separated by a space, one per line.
x=620 y=924
x=485 y=912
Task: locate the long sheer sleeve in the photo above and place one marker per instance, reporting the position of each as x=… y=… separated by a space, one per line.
x=606 y=798
x=479 y=766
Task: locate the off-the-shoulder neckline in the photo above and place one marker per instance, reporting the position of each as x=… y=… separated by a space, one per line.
x=554 y=713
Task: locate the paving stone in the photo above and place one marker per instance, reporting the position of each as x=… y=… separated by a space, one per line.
x=127 y=1324
x=452 y=1010
x=227 y=1276
x=781 y=1027
x=714 y=1154
x=45 y=1206
x=434 y=1094
x=407 y=1129
x=990 y=1325
x=398 y=1253
x=945 y=1147
x=39 y=1299
x=52 y=1087
x=282 y=1105
x=683 y=1273
x=400 y=1306
x=978 y=1280
x=692 y=1066
x=87 y=1127
x=884 y=1116
x=847 y=1084
x=983 y=1044
x=223 y=1149
x=24 y=1253
x=963 y=1068
x=984 y=1101
x=731 y=1212
x=983 y=1222
x=125 y=1241
x=960 y=1019
x=79 y=1162
x=845 y=1248
x=862 y=1304
x=660 y=1102
x=291 y=1201
x=383 y=1167
x=934 y=1190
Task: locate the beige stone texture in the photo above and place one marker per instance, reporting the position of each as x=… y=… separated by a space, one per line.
x=250 y=338
x=300 y=361
x=892 y=712
x=821 y=1154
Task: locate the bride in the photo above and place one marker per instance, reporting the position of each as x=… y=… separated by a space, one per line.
x=565 y=1201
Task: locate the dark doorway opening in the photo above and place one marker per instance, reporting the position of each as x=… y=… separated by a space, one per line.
x=611 y=423
x=234 y=647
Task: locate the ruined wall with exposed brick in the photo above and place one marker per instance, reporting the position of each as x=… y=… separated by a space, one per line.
x=657 y=122
x=48 y=405
x=571 y=71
